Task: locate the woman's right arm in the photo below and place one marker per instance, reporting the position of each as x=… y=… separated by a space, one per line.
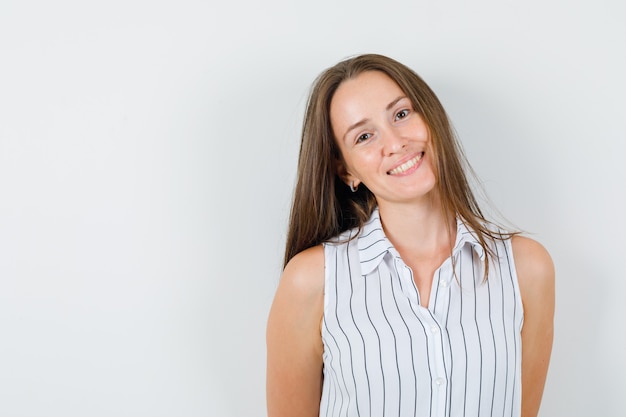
x=294 y=341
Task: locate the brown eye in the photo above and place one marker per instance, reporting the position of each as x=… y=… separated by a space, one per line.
x=363 y=137
x=402 y=114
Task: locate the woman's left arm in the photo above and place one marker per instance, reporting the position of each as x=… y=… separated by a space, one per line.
x=535 y=273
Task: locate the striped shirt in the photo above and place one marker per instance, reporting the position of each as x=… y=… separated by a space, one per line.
x=387 y=355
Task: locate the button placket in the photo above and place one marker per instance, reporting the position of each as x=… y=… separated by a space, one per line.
x=437 y=336
x=408 y=285
x=437 y=364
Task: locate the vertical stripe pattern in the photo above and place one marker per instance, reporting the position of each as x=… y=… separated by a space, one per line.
x=387 y=355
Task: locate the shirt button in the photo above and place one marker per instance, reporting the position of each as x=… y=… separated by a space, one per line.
x=439 y=381
x=434 y=329
x=443 y=283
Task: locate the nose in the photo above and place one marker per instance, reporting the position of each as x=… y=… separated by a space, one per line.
x=393 y=141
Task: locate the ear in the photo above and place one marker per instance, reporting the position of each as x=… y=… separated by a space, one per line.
x=345 y=175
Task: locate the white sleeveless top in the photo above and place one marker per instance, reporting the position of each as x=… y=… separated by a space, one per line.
x=386 y=355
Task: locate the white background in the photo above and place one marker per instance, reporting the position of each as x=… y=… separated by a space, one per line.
x=147 y=157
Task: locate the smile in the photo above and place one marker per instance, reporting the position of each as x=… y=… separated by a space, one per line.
x=406 y=166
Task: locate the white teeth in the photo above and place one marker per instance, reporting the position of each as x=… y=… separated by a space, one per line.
x=408 y=164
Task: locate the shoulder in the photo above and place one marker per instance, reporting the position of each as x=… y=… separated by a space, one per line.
x=304 y=273
x=300 y=292
x=531 y=258
x=298 y=305
x=535 y=269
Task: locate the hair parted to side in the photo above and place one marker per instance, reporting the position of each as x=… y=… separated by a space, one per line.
x=323 y=206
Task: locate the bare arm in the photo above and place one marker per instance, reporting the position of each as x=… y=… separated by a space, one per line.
x=535 y=272
x=294 y=343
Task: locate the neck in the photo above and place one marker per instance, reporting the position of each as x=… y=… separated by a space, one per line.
x=419 y=229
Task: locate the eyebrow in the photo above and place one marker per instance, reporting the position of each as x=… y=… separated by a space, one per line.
x=393 y=103
x=362 y=122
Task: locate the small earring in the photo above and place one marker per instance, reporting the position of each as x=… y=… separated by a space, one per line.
x=352 y=187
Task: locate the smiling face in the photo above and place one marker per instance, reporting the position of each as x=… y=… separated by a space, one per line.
x=383 y=140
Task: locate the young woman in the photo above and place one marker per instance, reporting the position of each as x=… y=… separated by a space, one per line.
x=398 y=297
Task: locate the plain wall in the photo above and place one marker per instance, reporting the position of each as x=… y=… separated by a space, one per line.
x=147 y=158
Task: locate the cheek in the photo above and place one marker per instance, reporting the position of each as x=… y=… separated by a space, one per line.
x=363 y=164
x=431 y=167
x=422 y=131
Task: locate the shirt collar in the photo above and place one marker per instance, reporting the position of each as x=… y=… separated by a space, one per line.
x=465 y=235
x=373 y=244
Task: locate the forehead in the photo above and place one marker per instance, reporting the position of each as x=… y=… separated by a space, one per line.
x=368 y=84
x=359 y=97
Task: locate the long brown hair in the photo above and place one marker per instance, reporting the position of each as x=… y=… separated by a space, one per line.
x=323 y=206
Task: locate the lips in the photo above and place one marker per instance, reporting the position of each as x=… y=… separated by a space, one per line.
x=406 y=166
